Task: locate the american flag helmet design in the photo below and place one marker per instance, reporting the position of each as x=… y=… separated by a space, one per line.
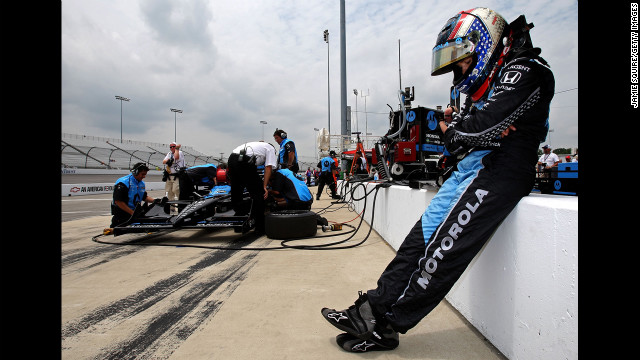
x=479 y=33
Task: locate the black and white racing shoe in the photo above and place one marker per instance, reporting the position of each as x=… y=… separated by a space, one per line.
x=358 y=320
x=352 y=343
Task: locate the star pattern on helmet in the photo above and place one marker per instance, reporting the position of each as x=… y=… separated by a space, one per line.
x=485 y=43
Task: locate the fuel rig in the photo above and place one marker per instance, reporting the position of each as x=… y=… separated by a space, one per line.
x=412 y=150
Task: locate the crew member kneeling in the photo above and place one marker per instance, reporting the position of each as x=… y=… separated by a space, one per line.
x=289 y=191
x=128 y=192
x=199 y=175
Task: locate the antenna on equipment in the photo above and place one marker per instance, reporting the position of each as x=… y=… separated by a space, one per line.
x=399 y=70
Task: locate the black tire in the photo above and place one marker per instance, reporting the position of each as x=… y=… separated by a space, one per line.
x=290 y=224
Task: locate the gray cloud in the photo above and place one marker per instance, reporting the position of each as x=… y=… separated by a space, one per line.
x=230 y=65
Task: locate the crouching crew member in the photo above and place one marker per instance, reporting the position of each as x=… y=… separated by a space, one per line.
x=128 y=192
x=199 y=175
x=289 y=191
x=242 y=171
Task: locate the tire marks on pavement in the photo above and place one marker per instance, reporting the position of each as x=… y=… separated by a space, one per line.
x=153 y=322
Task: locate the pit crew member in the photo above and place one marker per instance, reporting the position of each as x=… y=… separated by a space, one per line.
x=288 y=155
x=242 y=172
x=289 y=191
x=128 y=192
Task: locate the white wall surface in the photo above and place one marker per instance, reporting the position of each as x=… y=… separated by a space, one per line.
x=101 y=188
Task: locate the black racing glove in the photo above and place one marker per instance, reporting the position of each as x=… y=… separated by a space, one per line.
x=161 y=201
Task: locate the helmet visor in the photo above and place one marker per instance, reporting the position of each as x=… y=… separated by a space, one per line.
x=442 y=56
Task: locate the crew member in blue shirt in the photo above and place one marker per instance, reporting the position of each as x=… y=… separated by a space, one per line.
x=128 y=192
x=289 y=191
x=287 y=156
x=327 y=167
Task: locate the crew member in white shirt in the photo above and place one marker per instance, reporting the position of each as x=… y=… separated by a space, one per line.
x=242 y=171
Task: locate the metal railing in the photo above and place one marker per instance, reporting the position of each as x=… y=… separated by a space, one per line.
x=93 y=152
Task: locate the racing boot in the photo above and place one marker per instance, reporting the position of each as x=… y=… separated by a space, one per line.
x=381 y=340
x=357 y=320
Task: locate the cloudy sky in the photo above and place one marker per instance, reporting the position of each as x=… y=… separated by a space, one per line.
x=231 y=64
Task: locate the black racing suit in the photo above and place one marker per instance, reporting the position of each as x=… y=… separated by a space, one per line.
x=488 y=183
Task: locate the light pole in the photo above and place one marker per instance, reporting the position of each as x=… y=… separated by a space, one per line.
x=549 y=135
x=316 y=143
x=356 y=93
x=175 y=115
x=121 y=98
x=366 y=120
x=326 y=39
x=263 y=124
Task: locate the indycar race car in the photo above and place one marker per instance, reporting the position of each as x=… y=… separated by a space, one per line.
x=213 y=210
x=201 y=210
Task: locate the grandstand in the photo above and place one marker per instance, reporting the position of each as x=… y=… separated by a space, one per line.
x=94 y=152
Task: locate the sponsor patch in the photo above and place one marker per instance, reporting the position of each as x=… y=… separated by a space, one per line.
x=511 y=77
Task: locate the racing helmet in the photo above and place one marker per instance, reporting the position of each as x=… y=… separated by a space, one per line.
x=479 y=33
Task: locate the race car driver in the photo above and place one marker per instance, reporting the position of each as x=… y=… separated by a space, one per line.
x=510 y=89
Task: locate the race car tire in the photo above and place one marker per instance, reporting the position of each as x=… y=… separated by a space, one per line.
x=290 y=224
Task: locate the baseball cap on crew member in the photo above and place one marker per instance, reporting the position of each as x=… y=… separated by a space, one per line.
x=546 y=147
x=172 y=144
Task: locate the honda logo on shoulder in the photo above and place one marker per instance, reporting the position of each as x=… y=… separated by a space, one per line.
x=511 y=77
